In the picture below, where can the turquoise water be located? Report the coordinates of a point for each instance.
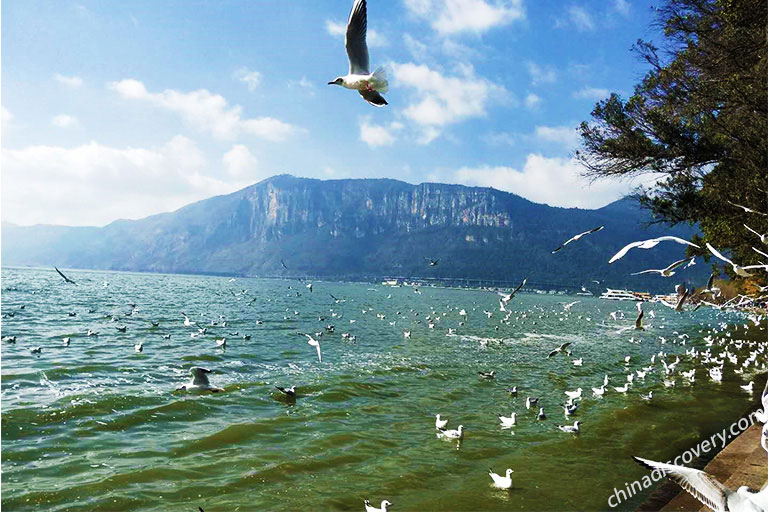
(96, 426)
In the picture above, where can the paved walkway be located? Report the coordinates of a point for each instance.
(742, 462)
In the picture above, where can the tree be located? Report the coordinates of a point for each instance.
(698, 121)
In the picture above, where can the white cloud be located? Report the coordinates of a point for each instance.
(591, 93)
(416, 48)
(251, 79)
(566, 136)
(541, 74)
(440, 100)
(305, 85)
(577, 17)
(207, 112)
(69, 81)
(553, 181)
(7, 117)
(240, 161)
(474, 16)
(622, 7)
(64, 121)
(502, 138)
(93, 184)
(373, 38)
(532, 101)
(378, 135)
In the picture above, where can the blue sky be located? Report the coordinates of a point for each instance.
(124, 109)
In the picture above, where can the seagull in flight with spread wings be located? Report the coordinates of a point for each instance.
(369, 85)
(649, 244)
(576, 237)
(665, 272)
(66, 279)
(737, 269)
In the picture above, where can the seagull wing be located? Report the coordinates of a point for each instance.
(639, 319)
(373, 97)
(357, 49)
(520, 286)
(718, 255)
(710, 282)
(553, 353)
(675, 239)
(319, 355)
(624, 251)
(758, 251)
(701, 485)
(283, 264)
(645, 272)
(66, 279)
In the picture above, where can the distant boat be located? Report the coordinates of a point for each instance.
(610, 294)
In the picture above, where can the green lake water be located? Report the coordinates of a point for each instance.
(95, 426)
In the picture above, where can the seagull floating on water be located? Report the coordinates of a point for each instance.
(369, 85)
(199, 381)
(572, 429)
(507, 422)
(501, 482)
(440, 423)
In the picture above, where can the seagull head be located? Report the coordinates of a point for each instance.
(338, 81)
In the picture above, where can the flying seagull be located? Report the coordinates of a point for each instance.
(360, 78)
(432, 263)
(199, 381)
(709, 491)
(559, 349)
(506, 298)
(665, 272)
(639, 319)
(748, 210)
(312, 341)
(649, 244)
(283, 264)
(66, 279)
(763, 238)
(576, 237)
(737, 269)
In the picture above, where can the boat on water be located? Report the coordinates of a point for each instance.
(610, 294)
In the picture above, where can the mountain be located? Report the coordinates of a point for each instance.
(367, 229)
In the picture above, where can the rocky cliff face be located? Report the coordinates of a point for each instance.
(356, 229)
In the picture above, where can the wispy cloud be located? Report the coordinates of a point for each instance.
(622, 7)
(88, 184)
(449, 17)
(532, 101)
(251, 79)
(591, 93)
(566, 136)
(64, 121)
(206, 112)
(553, 181)
(578, 18)
(376, 135)
(439, 100)
(69, 81)
(541, 74)
(239, 161)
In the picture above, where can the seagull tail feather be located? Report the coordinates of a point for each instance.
(380, 75)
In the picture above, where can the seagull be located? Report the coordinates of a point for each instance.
(487, 375)
(199, 381)
(432, 263)
(541, 415)
(289, 392)
(139, 347)
(530, 401)
(452, 434)
(501, 482)
(440, 423)
(639, 319)
(709, 491)
(749, 386)
(312, 341)
(576, 237)
(737, 269)
(66, 279)
(665, 272)
(573, 395)
(359, 78)
(648, 244)
(187, 321)
(572, 429)
(370, 508)
(763, 238)
(647, 397)
(36, 350)
(622, 389)
(507, 422)
(507, 298)
(599, 391)
(568, 306)
(558, 349)
(748, 210)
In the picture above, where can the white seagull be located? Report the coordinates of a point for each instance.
(763, 238)
(452, 434)
(507, 422)
(665, 272)
(573, 429)
(360, 78)
(199, 381)
(440, 423)
(576, 237)
(649, 244)
(312, 341)
(501, 482)
(737, 269)
(370, 508)
(709, 491)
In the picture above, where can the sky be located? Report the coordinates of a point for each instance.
(119, 110)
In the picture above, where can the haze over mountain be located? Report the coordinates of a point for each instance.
(367, 229)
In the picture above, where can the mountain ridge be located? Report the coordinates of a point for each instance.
(360, 229)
